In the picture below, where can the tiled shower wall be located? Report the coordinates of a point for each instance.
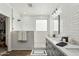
(28, 24)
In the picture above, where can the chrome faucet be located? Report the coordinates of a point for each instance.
(66, 39)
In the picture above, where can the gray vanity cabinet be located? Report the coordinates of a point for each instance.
(52, 50)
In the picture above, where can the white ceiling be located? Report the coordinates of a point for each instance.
(36, 9)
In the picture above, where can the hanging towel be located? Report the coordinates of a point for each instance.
(19, 35)
(22, 36)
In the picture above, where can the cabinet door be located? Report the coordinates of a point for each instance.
(57, 52)
(52, 50)
(48, 48)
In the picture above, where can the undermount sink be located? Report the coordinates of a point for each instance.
(61, 44)
(73, 50)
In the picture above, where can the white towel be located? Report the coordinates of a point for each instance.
(19, 35)
(22, 36)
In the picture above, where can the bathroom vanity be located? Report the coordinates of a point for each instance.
(53, 50)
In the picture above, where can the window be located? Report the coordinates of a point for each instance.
(41, 25)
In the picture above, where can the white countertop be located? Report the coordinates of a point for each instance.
(64, 49)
